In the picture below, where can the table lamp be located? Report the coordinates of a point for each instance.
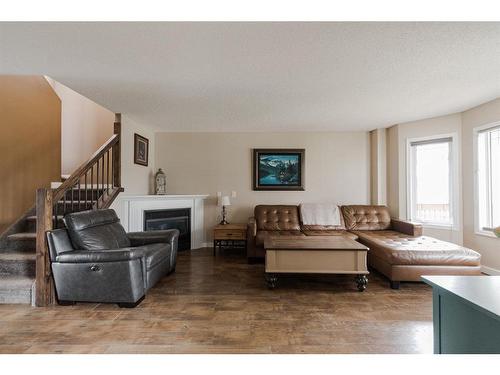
(224, 202)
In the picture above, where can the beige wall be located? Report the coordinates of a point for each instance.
(337, 168)
(397, 175)
(378, 166)
(393, 162)
(86, 126)
(136, 179)
(488, 246)
(30, 140)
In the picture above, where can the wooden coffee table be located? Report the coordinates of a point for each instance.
(315, 254)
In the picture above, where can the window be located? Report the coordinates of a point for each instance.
(430, 181)
(488, 178)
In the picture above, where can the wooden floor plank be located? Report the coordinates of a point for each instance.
(221, 305)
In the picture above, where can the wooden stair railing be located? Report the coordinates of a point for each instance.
(102, 173)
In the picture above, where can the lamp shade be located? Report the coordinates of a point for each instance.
(225, 201)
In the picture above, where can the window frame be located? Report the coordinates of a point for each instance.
(454, 177)
(476, 132)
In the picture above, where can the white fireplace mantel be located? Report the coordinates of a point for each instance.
(130, 209)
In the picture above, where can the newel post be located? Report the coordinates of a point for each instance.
(117, 151)
(44, 288)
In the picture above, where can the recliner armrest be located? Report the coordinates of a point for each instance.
(99, 256)
(251, 227)
(154, 236)
(406, 227)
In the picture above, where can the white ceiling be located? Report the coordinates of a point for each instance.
(264, 76)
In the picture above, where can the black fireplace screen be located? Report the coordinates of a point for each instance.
(178, 218)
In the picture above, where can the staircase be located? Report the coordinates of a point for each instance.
(25, 275)
(18, 249)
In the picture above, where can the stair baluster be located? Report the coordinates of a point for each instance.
(48, 202)
(92, 186)
(107, 173)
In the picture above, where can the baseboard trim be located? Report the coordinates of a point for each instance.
(203, 245)
(490, 271)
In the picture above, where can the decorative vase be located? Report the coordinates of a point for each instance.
(160, 183)
(497, 231)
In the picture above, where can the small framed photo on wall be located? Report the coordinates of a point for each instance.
(141, 150)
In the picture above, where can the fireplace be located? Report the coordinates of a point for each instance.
(177, 218)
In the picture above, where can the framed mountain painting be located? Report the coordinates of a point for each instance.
(278, 169)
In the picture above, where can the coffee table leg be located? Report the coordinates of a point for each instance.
(361, 282)
(271, 280)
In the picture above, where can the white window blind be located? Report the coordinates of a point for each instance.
(488, 178)
(430, 180)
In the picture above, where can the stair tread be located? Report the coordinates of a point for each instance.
(17, 256)
(16, 282)
(22, 236)
(16, 290)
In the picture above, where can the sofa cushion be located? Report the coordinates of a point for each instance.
(398, 248)
(324, 227)
(331, 232)
(96, 230)
(359, 217)
(277, 217)
(262, 234)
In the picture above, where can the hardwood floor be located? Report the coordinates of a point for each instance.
(222, 305)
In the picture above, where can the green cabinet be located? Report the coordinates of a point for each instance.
(466, 314)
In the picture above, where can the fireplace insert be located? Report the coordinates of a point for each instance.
(177, 218)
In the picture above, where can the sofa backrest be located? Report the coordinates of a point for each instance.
(366, 217)
(277, 217)
(96, 230)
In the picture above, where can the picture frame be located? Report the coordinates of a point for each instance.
(141, 150)
(279, 169)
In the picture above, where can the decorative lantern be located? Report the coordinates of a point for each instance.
(160, 183)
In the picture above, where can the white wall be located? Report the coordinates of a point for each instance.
(136, 179)
(488, 247)
(337, 168)
(463, 125)
(85, 126)
(397, 174)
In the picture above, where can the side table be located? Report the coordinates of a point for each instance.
(229, 234)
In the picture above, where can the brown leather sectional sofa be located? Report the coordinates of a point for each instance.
(397, 248)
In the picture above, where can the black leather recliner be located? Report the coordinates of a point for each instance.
(94, 260)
